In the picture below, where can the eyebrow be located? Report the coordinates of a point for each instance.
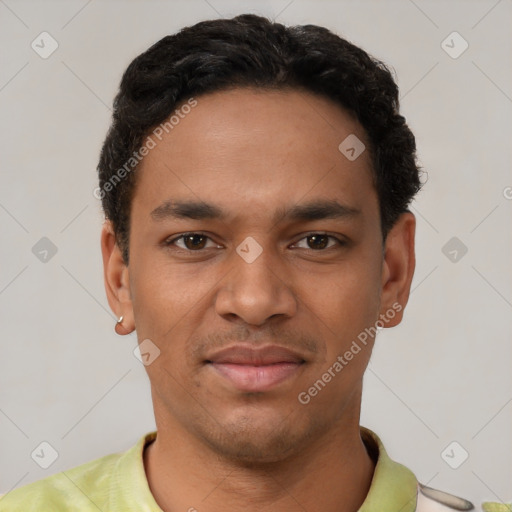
(199, 210)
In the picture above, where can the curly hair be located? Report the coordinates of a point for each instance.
(252, 51)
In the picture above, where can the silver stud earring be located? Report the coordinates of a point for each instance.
(120, 321)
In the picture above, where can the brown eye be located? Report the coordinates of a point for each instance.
(191, 242)
(194, 241)
(319, 242)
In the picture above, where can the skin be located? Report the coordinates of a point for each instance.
(251, 153)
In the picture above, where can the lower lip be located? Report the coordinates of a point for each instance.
(256, 378)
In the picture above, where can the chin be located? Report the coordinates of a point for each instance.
(259, 441)
(250, 452)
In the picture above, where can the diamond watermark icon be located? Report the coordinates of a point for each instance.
(249, 249)
(44, 250)
(454, 455)
(454, 45)
(44, 455)
(146, 352)
(44, 45)
(454, 249)
(352, 147)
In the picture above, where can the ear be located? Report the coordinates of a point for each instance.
(117, 280)
(398, 267)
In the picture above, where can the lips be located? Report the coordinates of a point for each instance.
(255, 369)
(245, 355)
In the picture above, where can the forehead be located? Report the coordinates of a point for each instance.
(254, 149)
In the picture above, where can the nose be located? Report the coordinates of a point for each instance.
(256, 291)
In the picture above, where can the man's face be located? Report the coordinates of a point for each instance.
(259, 158)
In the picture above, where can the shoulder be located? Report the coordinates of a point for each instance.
(78, 488)
(432, 500)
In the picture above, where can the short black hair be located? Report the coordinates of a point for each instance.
(252, 51)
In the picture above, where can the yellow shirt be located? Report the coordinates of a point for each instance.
(118, 483)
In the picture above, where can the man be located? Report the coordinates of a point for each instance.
(255, 182)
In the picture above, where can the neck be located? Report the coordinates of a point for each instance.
(332, 474)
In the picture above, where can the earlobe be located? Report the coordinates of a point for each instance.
(116, 279)
(398, 268)
(120, 328)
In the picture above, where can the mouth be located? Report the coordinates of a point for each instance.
(256, 370)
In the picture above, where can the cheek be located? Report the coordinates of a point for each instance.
(343, 316)
(345, 302)
(351, 290)
(168, 299)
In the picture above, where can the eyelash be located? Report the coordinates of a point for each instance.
(170, 242)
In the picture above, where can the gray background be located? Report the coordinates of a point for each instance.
(443, 375)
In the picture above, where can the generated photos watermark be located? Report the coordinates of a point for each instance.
(150, 143)
(304, 397)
